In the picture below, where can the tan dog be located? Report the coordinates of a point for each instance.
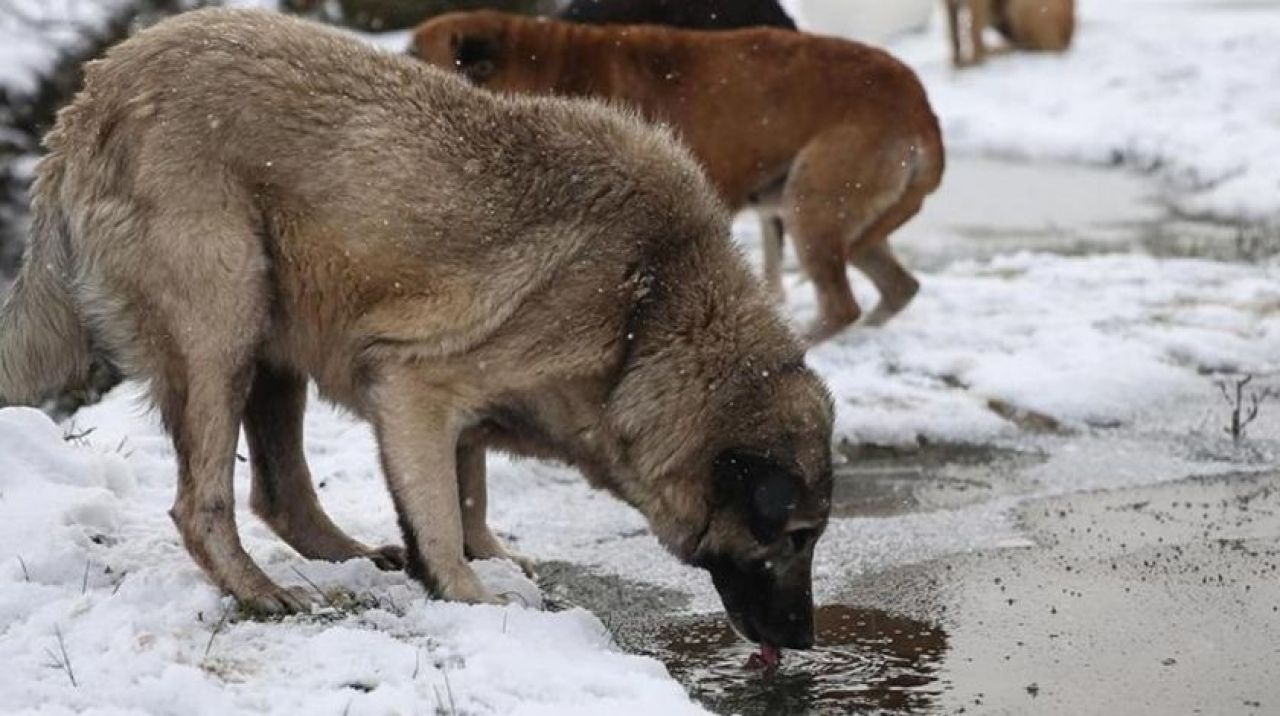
(833, 140)
(239, 201)
(1029, 25)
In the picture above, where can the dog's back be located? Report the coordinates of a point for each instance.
(254, 147)
(692, 14)
(838, 136)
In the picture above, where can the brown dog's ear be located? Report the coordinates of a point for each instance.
(475, 57)
(762, 490)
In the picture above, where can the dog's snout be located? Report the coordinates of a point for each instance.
(796, 638)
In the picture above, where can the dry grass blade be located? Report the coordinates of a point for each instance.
(217, 628)
(328, 602)
(60, 659)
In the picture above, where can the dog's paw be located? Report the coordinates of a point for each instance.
(274, 601)
(487, 546)
(388, 558)
(461, 584)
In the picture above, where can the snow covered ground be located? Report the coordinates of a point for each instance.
(1117, 351)
(90, 563)
(1184, 88)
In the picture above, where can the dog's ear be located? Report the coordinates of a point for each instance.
(475, 56)
(761, 489)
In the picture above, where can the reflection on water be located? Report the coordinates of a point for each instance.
(875, 481)
(866, 661)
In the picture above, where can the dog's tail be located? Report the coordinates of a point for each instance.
(45, 347)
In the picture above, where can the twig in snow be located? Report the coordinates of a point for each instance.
(1244, 408)
(60, 660)
(217, 628)
(84, 581)
(453, 709)
(78, 438)
(313, 585)
(26, 576)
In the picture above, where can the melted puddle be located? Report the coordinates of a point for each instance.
(865, 661)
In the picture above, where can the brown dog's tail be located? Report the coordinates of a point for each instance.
(45, 347)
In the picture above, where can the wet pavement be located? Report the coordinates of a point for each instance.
(1154, 600)
(990, 206)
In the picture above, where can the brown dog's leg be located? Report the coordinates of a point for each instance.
(823, 258)
(896, 285)
(418, 438)
(478, 541)
(771, 236)
(282, 493)
(874, 257)
(842, 189)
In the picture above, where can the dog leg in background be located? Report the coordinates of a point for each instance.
(418, 438)
(979, 18)
(282, 493)
(478, 540)
(953, 25)
(896, 285)
(822, 255)
(772, 233)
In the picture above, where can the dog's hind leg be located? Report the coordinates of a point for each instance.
(979, 19)
(190, 321)
(840, 186)
(200, 378)
(896, 285)
(282, 493)
(953, 27)
(478, 540)
(771, 236)
(195, 408)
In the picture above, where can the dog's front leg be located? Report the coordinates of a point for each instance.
(418, 433)
(478, 541)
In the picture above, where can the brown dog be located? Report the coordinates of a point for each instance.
(239, 201)
(835, 139)
(1029, 25)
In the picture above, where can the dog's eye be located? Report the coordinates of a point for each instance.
(800, 539)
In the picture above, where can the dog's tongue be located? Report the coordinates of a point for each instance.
(768, 658)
